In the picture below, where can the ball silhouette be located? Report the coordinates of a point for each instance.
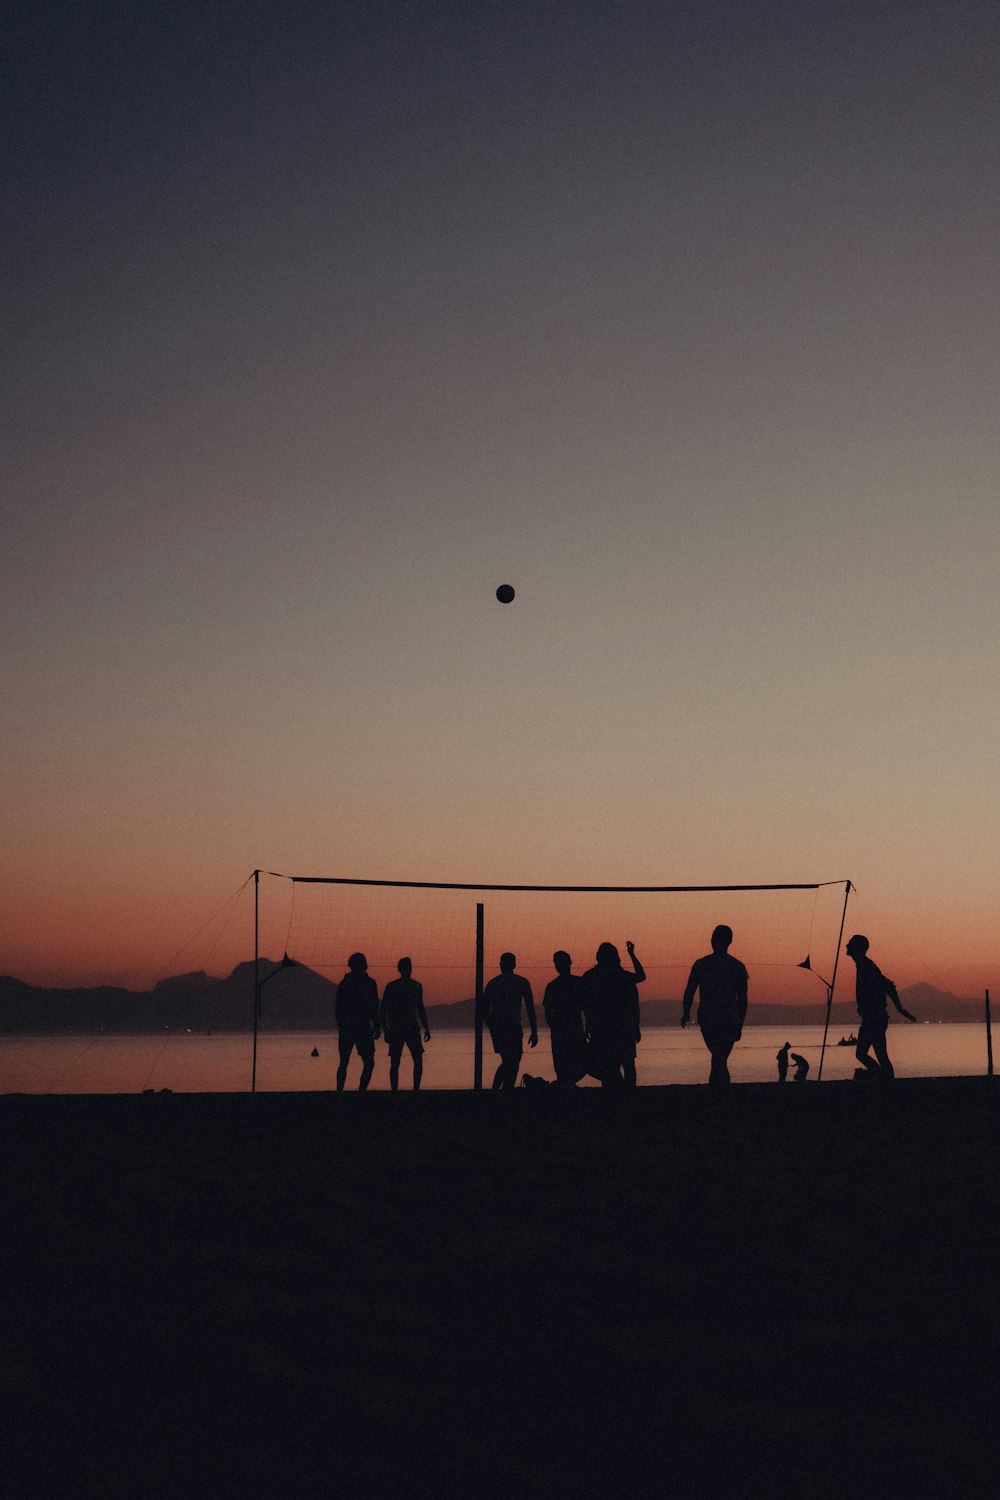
(505, 593)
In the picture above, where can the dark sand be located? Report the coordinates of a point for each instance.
(785, 1291)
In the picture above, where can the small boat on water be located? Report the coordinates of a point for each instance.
(848, 1041)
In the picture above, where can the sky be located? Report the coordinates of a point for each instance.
(324, 320)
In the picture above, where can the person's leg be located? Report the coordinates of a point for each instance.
(719, 1043)
(417, 1053)
(345, 1046)
(366, 1051)
(513, 1062)
(861, 1051)
(628, 1072)
(394, 1059)
(881, 1050)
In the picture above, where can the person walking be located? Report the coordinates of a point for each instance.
(402, 1016)
(502, 1001)
(872, 989)
(356, 1012)
(722, 982)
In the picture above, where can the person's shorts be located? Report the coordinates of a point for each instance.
(872, 1030)
(719, 1035)
(362, 1040)
(400, 1039)
(570, 1055)
(508, 1043)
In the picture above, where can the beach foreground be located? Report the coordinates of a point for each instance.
(784, 1290)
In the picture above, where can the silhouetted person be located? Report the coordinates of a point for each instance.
(402, 1016)
(722, 982)
(563, 1006)
(801, 1068)
(356, 1010)
(872, 990)
(783, 1061)
(611, 1007)
(502, 1000)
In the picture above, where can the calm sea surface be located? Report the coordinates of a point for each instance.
(188, 1063)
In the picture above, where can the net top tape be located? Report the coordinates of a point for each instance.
(450, 885)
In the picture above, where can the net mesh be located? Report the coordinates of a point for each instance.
(774, 931)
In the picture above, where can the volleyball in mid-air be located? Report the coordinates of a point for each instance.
(505, 593)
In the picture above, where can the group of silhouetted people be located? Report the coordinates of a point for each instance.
(361, 1021)
(593, 1018)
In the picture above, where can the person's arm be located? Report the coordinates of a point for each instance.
(893, 995)
(374, 1008)
(383, 1019)
(547, 1004)
(421, 1013)
(638, 972)
(529, 1005)
(689, 993)
(337, 1006)
(487, 1003)
(634, 1007)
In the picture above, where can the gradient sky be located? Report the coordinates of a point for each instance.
(324, 320)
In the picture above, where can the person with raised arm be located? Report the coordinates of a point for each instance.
(872, 990)
(502, 1001)
(722, 982)
(356, 1011)
(611, 1006)
(402, 1016)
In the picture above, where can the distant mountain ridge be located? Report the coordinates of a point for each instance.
(298, 999)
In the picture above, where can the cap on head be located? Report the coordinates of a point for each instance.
(507, 963)
(722, 937)
(607, 953)
(357, 963)
(857, 944)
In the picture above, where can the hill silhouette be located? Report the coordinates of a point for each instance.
(299, 999)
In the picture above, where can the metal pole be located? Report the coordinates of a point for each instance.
(477, 1081)
(256, 984)
(989, 1039)
(833, 981)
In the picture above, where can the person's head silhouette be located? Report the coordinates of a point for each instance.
(721, 938)
(357, 963)
(405, 967)
(607, 953)
(857, 946)
(562, 961)
(508, 963)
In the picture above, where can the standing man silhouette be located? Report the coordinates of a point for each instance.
(783, 1061)
(563, 1006)
(356, 1010)
(502, 999)
(402, 1017)
(871, 990)
(722, 982)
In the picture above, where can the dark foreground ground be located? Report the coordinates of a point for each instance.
(787, 1291)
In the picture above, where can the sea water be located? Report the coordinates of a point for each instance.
(187, 1062)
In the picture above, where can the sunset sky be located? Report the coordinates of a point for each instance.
(324, 320)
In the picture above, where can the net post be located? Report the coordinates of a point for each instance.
(833, 981)
(989, 1039)
(477, 1080)
(256, 984)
